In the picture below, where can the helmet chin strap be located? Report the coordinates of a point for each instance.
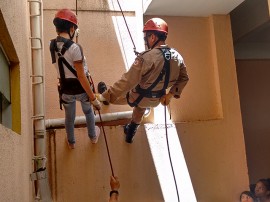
(154, 44)
(71, 36)
(148, 46)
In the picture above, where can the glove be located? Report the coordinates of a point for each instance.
(100, 97)
(96, 104)
(165, 99)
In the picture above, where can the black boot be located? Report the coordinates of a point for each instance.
(130, 130)
(102, 88)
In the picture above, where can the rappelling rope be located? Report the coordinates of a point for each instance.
(105, 138)
(168, 146)
(77, 16)
(134, 47)
(101, 122)
(136, 53)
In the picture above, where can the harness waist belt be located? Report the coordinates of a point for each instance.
(71, 86)
(150, 94)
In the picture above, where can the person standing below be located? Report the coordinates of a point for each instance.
(153, 71)
(72, 69)
(247, 196)
(115, 185)
(262, 190)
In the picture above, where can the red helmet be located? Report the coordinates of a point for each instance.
(68, 15)
(156, 24)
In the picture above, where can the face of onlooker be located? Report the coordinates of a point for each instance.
(260, 189)
(246, 198)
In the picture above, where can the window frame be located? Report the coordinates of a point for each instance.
(9, 50)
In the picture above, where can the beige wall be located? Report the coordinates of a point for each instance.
(209, 122)
(254, 96)
(98, 37)
(16, 150)
(210, 128)
(198, 49)
(15, 184)
(83, 174)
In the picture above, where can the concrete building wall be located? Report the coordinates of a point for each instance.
(16, 148)
(208, 122)
(83, 174)
(102, 48)
(208, 116)
(15, 167)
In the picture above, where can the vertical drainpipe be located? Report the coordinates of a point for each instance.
(38, 76)
(42, 190)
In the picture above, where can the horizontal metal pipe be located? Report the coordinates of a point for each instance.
(80, 120)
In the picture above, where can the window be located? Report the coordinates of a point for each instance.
(5, 93)
(10, 100)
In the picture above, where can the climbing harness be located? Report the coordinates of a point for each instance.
(168, 147)
(69, 86)
(148, 93)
